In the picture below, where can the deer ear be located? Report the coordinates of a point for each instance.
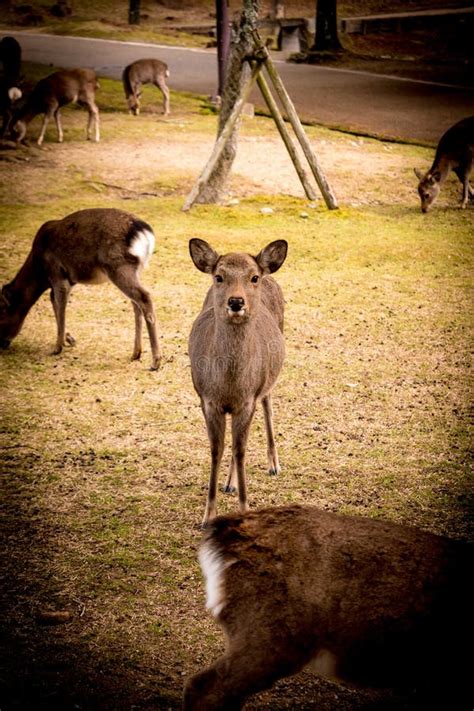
(436, 176)
(202, 255)
(272, 257)
(418, 173)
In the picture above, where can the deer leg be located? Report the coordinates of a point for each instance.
(126, 279)
(68, 338)
(241, 422)
(47, 117)
(59, 128)
(59, 296)
(273, 463)
(93, 115)
(215, 423)
(161, 84)
(228, 683)
(231, 481)
(137, 348)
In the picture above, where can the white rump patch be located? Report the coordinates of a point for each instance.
(14, 93)
(142, 245)
(213, 566)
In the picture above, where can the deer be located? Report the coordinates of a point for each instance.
(455, 152)
(8, 96)
(145, 71)
(86, 247)
(360, 601)
(51, 94)
(236, 348)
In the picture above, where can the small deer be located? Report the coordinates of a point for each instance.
(145, 71)
(51, 94)
(8, 96)
(86, 247)
(364, 601)
(455, 151)
(237, 349)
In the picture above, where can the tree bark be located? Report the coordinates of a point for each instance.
(238, 72)
(223, 42)
(326, 38)
(134, 12)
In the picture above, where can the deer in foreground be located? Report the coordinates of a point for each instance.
(455, 152)
(364, 601)
(86, 247)
(237, 349)
(145, 71)
(51, 94)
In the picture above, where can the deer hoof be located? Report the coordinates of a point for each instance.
(274, 471)
(57, 350)
(229, 489)
(70, 340)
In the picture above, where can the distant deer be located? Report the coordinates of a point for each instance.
(145, 71)
(8, 96)
(86, 247)
(51, 94)
(236, 348)
(364, 601)
(455, 151)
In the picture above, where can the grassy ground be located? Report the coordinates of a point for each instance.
(105, 463)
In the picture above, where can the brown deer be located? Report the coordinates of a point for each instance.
(51, 94)
(145, 71)
(86, 247)
(455, 151)
(236, 348)
(364, 601)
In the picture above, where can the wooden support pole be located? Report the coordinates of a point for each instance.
(293, 117)
(284, 133)
(222, 139)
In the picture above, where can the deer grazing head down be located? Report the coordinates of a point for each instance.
(237, 349)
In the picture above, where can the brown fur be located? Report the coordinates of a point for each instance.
(145, 71)
(364, 601)
(89, 246)
(455, 151)
(51, 94)
(236, 356)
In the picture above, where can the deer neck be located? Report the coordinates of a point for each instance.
(27, 287)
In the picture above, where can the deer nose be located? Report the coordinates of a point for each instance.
(236, 303)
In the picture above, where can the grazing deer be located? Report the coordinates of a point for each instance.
(236, 348)
(145, 71)
(455, 151)
(51, 94)
(359, 600)
(86, 247)
(8, 96)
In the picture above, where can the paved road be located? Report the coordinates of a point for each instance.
(365, 103)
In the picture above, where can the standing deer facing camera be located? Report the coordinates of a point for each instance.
(51, 94)
(237, 349)
(455, 151)
(364, 601)
(145, 71)
(86, 247)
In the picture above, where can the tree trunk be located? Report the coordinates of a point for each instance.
(242, 46)
(134, 12)
(223, 42)
(326, 38)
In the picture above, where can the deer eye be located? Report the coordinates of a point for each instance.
(255, 279)
(219, 279)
